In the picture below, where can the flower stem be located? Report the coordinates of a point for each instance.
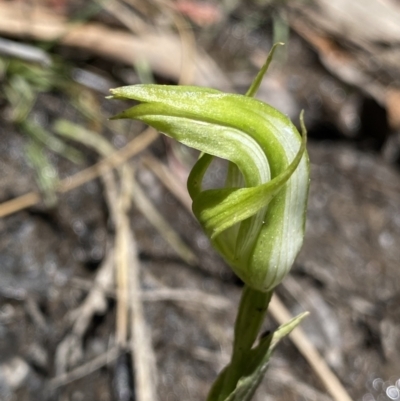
(252, 309)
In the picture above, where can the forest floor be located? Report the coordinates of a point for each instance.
(109, 289)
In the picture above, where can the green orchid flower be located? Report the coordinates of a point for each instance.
(256, 221)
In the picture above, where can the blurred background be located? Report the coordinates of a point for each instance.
(108, 288)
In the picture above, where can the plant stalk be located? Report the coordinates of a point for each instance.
(252, 310)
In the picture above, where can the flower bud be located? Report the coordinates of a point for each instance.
(256, 221)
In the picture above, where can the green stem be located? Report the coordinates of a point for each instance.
(252, 309)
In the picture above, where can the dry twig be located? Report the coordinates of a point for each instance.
(69, 352)
(128, 296)
(108, 163)
(85, 369)
(164, 293)
(122, 254)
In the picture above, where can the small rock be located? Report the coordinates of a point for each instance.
(14, 372)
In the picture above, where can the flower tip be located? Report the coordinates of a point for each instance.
(302, 124)
(115, 94)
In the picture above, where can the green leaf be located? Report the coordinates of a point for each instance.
(259, 359)
(217, 387)
(251, 314)
(46, 174)
(80, 134)
(50, 141)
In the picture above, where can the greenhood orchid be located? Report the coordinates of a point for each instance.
(256, 221)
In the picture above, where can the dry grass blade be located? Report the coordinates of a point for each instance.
(95, 302)
(307, 349)
(143, 354)
(20, 203)
(122, 255)
(125, 15)
(116, 159)
(200, 313)
(305, 391)
(85, 369)
(129, 306)
(195, 297)
(163, 173)
(188, 296)
(129, 289)
(119, 207)
(155, 218)
(188, 42)
(70, 350)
